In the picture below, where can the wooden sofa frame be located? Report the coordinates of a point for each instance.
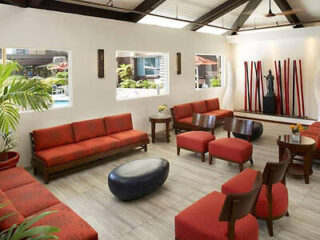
(53, 172)
(182, 127)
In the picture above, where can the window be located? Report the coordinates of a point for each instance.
(142, 74)
(50, 66)
(209, 71)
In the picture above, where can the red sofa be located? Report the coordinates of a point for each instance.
(182, 114)
(25, 197)
(314, 132)
(66, 148)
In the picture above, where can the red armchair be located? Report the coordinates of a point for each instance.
(218, 216)
(233, 149)
(273, 198)
(197, 141)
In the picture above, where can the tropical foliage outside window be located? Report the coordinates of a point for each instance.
(142, 74)
(208, 71)
(48, 66)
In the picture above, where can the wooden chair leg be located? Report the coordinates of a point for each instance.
(145, 147)
(178, 151)
(210, 159)
(287, 214)
(46, 178)
(251, 161)
(270, 227)
(240, 167)
(203, 157)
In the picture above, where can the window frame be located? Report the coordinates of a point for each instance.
(152, 55)
(223, 68)
(70, 75)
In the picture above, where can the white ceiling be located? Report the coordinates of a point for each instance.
(193, 9)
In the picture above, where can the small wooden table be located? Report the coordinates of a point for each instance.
(304, 148)
(160, 119)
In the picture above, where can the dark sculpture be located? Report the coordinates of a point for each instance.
(269, 101)
(270, 79)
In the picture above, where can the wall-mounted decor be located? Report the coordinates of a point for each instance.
(178, 63)
(100, 63)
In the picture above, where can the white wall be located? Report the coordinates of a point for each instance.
(296, 44)
(93, 97)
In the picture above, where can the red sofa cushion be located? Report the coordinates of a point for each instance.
(187, 120)
(118, 123)
(241, 183)
(231, 149)
(199, 107)
(130, 137)
(99, 144)
(14, 177)
(222, 113)
(182, 111)
(212, 104)
(71, 225)
(315, 125)
(201, 221)
(17, 218)
(62, 154)
(195, 140)
(31, 198)
(52, 137)
(88, 129)
(280, 201)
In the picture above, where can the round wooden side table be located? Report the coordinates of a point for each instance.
(160, 119)
(303, 148)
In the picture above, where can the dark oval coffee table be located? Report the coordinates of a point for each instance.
(138, 178)
(257, 131)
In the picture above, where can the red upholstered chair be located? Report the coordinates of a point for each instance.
(197, 141)
(233, 149)
(218, 216)
(273, 200)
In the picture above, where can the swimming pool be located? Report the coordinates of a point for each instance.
(61, 103)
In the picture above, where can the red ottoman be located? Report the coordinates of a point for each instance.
(231, 149)
(196, 141)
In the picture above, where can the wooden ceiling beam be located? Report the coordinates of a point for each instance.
(245, 14)
(19, 3)
(292, 18)
(217, 12)
(146, 7)
(35, 3)
(81, 10)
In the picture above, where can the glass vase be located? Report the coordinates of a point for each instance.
(295, 137)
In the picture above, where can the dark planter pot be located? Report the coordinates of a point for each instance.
(12, 160)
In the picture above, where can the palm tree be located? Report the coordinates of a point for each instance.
(17, 93)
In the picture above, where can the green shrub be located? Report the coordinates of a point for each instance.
(215, 82)
(128, 83)
(62, 75)
(56, 81)
(125, 72)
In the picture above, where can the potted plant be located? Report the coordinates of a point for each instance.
(8, 158)
(16, 94)
(162, 108)
(296, 129)
(25, 229)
